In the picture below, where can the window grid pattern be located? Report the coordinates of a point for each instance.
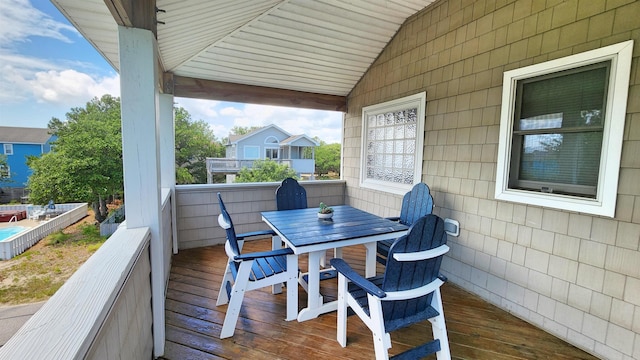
(391, 146)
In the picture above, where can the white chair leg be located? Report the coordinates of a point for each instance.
(439, 327)
(381, 340)
(276, 243)
(235, 303)
(342, 310)
(223, 297)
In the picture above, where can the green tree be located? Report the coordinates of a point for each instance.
(243, 130)
(4, 173)
(86, 163)
(327, 158)
(265, 171)
(194, 143)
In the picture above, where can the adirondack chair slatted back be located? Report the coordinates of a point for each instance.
(415, 204)
(224, 220)
(425, 234)
(291, 195)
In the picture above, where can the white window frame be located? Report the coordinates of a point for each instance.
(267, 149)
(8, 149)
(253, 149)
(417, 101)
(620, 56)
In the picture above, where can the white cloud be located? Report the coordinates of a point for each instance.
(71, 86)
(223, 116)
(25, 78)
(19, 20)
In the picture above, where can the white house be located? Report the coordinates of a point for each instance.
(269, 142)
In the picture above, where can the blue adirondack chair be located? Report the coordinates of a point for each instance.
(252, 271)
(407, 293)
(415, 204)
(291, 195)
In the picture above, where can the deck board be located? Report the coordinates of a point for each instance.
(477, 329)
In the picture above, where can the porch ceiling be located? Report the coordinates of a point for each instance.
(320, 46)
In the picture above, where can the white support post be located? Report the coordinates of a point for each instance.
(141, 153)
(168, 159)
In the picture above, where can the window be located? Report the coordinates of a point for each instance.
(8, 149)
(392, 140)
(561, 131)
(252, 152)
(271, 154)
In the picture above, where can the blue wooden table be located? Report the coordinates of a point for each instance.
(304, 233)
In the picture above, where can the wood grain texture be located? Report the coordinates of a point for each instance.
(477, 330)
(225, 91)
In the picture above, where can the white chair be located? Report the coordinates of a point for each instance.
(252, 271)
(407, 293)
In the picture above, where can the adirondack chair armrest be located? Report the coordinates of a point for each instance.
(263, 254)
(343, 268)
(393, 218)
(255, 233)
(443, 278)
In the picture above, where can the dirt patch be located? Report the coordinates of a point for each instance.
(39, 272)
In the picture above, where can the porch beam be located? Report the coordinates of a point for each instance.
(224, 91)
(139, 14)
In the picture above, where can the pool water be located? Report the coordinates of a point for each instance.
(10, 231)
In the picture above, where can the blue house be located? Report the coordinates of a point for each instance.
(268, 142)
(17, 143)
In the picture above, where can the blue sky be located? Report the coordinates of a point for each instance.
(47, 68)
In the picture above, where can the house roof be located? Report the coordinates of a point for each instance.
(24, 135)
(322, 47)
(233, 139)
(291, 140)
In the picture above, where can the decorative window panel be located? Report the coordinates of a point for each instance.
(392, 136)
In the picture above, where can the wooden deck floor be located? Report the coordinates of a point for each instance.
(477, 330)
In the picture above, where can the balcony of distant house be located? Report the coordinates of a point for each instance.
(269, 142)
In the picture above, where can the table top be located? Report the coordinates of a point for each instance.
(301, 227)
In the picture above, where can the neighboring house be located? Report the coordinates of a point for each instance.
(17, 143)
(269, 142)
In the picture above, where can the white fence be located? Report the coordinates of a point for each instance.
(110, 225)
(19, 243)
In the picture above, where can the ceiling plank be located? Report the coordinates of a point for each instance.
(224, 91)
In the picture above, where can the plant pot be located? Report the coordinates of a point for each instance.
(325, 216)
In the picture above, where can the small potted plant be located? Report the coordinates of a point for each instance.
(325, 212)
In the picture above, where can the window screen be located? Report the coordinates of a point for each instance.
(558, 130)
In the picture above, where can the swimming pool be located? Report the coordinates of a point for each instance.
(10, 231)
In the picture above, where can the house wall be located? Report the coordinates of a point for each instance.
(18, 163)
(258, 140)
(572, 274)
(198, 209)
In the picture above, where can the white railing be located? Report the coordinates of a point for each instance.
(197, 207)
(235, 165)
(101, 312)
(19, 243)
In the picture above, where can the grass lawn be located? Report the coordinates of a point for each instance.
(39, 272)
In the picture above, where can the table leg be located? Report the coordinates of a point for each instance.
(315, 301)
(370, 259)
